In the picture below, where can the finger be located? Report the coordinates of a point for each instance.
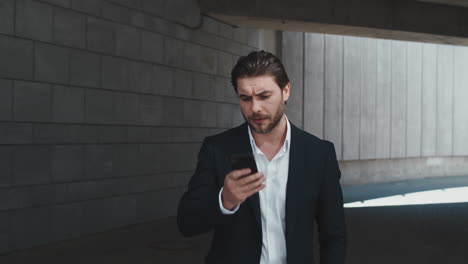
(251, 178)
(255, 190)
(237, 174)
(253, 185)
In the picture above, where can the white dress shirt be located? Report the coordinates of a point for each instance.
(272, 200)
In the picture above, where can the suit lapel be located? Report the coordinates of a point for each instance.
(294, 184)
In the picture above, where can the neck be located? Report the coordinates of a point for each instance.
(275, 137)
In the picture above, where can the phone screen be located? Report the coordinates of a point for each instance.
(243, 161)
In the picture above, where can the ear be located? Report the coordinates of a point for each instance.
(286, 90)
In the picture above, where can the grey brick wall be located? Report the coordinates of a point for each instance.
(103, 107)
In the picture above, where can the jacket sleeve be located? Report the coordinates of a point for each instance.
(330, 215)
(198, 209)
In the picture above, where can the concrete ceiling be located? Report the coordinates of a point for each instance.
(463, 3)
(437, 21)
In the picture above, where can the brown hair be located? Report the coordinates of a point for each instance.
(259, 63)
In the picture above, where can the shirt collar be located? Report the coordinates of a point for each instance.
(287, 140)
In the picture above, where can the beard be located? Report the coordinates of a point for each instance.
(274, 120)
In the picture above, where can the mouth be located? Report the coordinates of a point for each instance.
(258, 120)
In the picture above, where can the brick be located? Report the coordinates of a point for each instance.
(34, 20)
(66, 221)
(163, 26)
(126, 110)
(88, 6)
(115, 12)
(85, 69)
(140, 134)
(162, 81)
(125, 158)
(32, 101)
(17, 58)
(226, 31)
(182, 83)
(230, 94)
(192, 56)
(115, 73)
(68, 104)
(146, 213)
(188, 12)
(208, 114)
(15, 133)
(101, 36)
(67, 163)
(38, 195)
(6, 16)
(161, 134)
(173, 111)
(154, 6)
(152, 47)
(201, 86)
(5, 231)
(240, 35)
(140, 77)
(210, 25)
(129, 3)
(6, 98)
(51, 63)
(123, 211)
(69, 28)
(82, 134)
(112, 134)
(223, 115)
(148, 157)
(99, 106)
(6, 166)
(12, 198)
(192, 113)
(96, 216)
(128, 42)
(252, 37)
(31, 165)
(199, 113)
(183, 33)
(64, 3)
(77, 191)
(26, 233)
(207, 39)
(137, 18)
(224, 64)
(150, 110)
(108, 187)
(98, 161)
(209, 60)
(218, 88)
(49, 133)
(173, 52)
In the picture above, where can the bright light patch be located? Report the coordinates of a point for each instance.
(442, 196)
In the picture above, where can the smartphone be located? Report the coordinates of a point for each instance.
(243, 161)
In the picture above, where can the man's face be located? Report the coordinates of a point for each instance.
(262, 102)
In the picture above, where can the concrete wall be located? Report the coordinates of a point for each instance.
(103, 106)
(380, 99)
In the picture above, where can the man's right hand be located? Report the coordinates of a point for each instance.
(239, 185)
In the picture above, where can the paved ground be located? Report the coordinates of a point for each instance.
(404, 234)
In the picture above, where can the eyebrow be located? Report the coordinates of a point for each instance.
(263, 92)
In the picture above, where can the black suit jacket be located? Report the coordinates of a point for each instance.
(313, 192)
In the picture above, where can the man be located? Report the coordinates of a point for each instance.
(268, 216)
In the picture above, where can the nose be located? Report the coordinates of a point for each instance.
(256, 107)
